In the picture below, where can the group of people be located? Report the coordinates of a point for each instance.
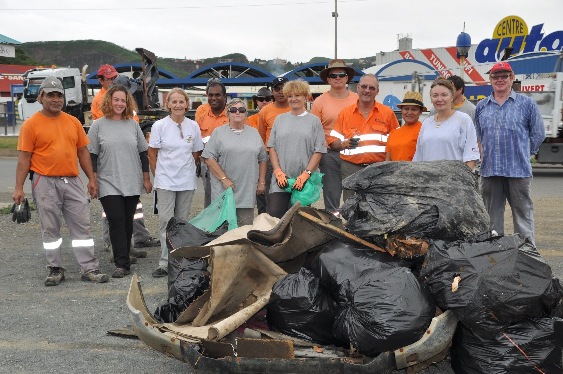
(258, 156)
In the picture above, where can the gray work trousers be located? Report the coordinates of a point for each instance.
(347, 169)
(332, 179)
(64, 195)
(497, 191)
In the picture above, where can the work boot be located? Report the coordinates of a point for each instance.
(159, 273)
(95, 276)
(56, 275)
(120, 272)
(149, 242)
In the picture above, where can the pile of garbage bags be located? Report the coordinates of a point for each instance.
(331, 289)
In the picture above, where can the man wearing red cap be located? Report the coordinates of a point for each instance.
(106, 75)
(509, 129)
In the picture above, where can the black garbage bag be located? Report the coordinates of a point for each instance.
(180, 234)
(386, 309)
(300, 307)
(502, 281)
(338, 262)
(437, 199)
(532, 345)
(187, 278)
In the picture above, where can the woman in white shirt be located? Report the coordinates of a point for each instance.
(174, 148)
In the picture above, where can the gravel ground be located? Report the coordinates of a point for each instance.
(63, 329)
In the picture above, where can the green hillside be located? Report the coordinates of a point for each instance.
(94, 53)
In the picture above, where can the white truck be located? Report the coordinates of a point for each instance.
(550, 102)
(76, 99)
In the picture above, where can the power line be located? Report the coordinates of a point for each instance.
(210, 6)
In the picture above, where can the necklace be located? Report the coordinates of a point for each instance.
(439, 123)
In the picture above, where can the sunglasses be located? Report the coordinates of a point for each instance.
(239, 109)
(261, 99)
(337, 75)
(365, 87)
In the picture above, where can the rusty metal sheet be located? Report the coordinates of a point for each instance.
(262, 348)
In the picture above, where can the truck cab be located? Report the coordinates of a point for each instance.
(72, 84)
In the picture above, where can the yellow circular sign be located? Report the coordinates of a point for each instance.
(510, 26)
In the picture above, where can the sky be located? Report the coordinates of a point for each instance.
(295, 30)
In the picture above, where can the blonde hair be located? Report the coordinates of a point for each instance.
(297, 87)
(178, 90)
(130, 103)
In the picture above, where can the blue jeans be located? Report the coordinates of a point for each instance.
(497, 191)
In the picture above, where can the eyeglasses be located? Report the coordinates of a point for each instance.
(500, 76)
(109, 79)
(337, 75)
(365, 87)
(235, 109)
(261, 99)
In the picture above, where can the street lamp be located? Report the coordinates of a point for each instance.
(462, 44)
(335, 15)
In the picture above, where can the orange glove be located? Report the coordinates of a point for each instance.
(281, 178)
(300, 181)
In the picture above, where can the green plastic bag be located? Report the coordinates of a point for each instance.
(311, 191)
(220, 210)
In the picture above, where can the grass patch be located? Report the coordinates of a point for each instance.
(9, 142)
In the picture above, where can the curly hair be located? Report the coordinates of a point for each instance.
(179, 91)
(131, 104)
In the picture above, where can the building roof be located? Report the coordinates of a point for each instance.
(5, 40)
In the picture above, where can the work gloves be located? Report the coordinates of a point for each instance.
(353, 143)
(281, 178)
(21, 213)
(301, 180)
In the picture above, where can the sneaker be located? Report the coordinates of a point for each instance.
(150, 242)
(137, 253)
(56, 275)
(120, 273)
(95, 276)
(159, 273)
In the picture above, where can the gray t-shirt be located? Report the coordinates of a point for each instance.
(118, 144)
(295, 139)
(238, 154)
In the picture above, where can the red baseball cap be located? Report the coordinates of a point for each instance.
(501, 66)
(107, 71)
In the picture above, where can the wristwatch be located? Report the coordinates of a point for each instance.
(308, 171)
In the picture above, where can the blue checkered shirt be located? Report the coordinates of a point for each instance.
(508, 134)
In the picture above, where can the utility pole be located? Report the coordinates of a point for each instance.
(335, 15)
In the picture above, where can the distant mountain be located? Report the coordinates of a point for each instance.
(94, 53)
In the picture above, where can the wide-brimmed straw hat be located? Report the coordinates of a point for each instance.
(338, 64)
(413, 98)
